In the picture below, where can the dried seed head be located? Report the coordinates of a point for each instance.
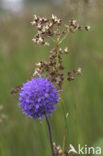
(34, 40)
(50, 24)
(72, 22)
(66, 50)
(38, 64)
(46, 43)
(87, 28)
(74, 71)
(60, 51)
(79, 71)
(67, 27)
(70, 78)
(54, 144)
(57, 32)
(53, 50)
(79, 27)
(63, 32)
(40, 39)
(69, 73)
(58, 147)
(39, 26)
(52, 72)
(59, 21)
(54, 18)
(60, 151)
(49, 28)
(37, 72)
(33, 22)
(35, 17)
(61, 67)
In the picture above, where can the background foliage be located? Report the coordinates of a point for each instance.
(83, 99)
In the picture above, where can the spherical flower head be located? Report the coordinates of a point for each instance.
(38, 97)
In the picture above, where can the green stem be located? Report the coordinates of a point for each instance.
(66, 35)
(57, 47)
(50, 136)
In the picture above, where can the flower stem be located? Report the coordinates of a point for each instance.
(57, 63)
(50, 136)
(63, 38)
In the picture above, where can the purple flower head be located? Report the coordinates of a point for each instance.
(38, 97)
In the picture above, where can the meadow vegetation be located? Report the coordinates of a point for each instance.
(83, 99)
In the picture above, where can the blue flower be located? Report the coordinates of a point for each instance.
(38, 97)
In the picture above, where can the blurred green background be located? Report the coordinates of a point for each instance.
(83, 98)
